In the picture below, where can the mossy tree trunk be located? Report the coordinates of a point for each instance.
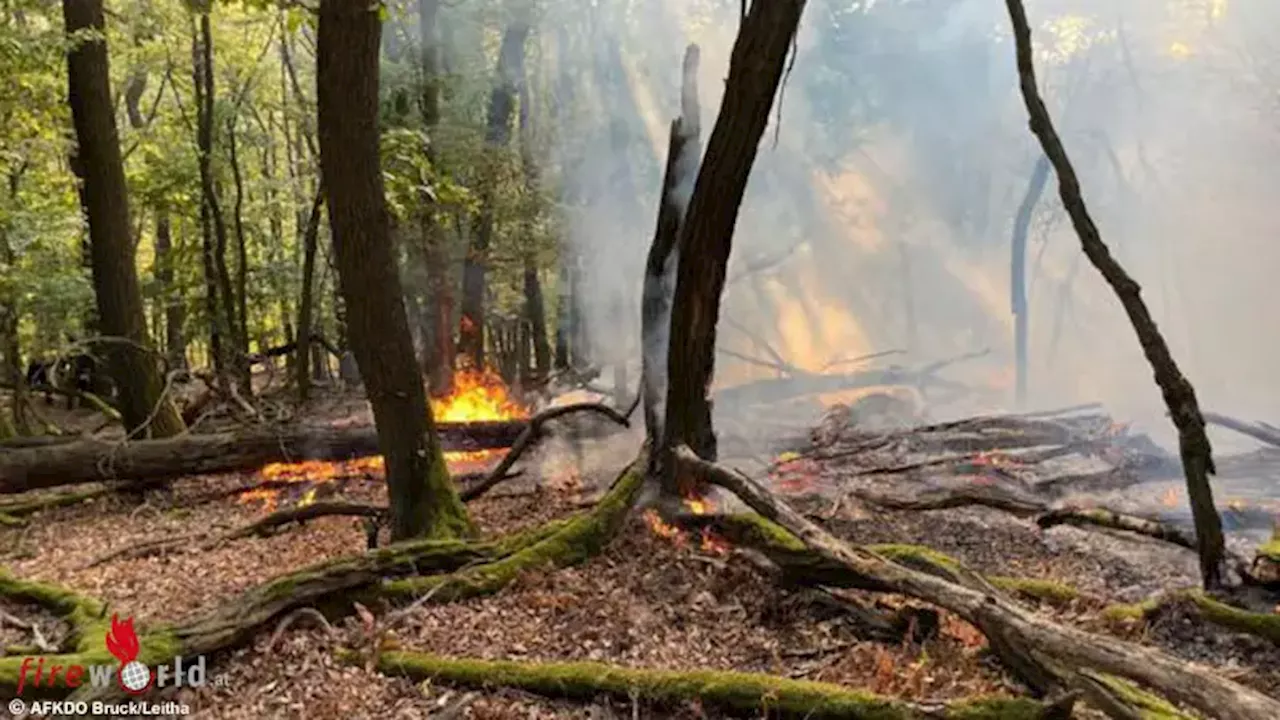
(115, 276)
(1179, 395)
(706, 235)
(422, 498)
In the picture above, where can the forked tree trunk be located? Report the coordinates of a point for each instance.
(115, 277)
(422, 498)
(502, 105)
(1179, 395)
(658, 289)
(1018, 273)
(706, 235)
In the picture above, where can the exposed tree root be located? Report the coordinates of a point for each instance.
(12, 512)
(469, 568)
(1260, 624)
(1047, 656)
(739, 691)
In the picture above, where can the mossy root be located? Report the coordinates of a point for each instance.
(736, 691)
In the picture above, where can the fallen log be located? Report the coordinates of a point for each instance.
(742, 692)
(1048, 656)
(86, 461)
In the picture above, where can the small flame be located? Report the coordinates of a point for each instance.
(122, 641)
(1169, 498)
(698, 505)
(713, 543)
(664, 530)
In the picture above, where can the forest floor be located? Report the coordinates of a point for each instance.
(649, 601)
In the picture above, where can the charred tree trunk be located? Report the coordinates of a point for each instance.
(1179, 395)
(115, 277)
(706, 235)
(502, 105)
(660, 266)
(422, 498)
(174, 309)
(1018, 273)
(440, 345)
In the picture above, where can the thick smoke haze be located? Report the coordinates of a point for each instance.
(880, 209)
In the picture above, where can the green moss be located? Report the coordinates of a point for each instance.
(1125, 612)
(11, 521)
(1149, 706)
(738, 691)
(918, 557)
(89, 626)
(758, 532)
(577, 539)
(20, 508)
(1050, 591)
(1264, 625)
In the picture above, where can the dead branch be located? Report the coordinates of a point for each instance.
(1179, 395)
(532, 433)
(992, 496)
(1048, 656)
(1258, 431)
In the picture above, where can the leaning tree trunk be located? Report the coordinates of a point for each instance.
(422, 498)
(1179, 395)
(1018, 273)
(706, 235)
(658, 289)
(502, 104)
(115, 277)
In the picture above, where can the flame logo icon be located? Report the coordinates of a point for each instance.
(122, 642)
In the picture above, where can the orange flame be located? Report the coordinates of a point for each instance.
(664, 530)
(713, 543)
(1169, 498)
(477, 396)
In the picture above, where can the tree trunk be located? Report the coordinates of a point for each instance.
(115, 276)
(243, 370)
(174, 310)
(10, 342)
(502, 104)
(423, 501)
(706, 235)
(210, 218)
(1179, 395)
(310, 243)
(441, 346)
(535, 312)
(1018, 273)
(564, 327)
(683, 151)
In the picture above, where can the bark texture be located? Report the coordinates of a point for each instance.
(706, 236)
(422, 498)
(115, 276)
(1179, 395)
